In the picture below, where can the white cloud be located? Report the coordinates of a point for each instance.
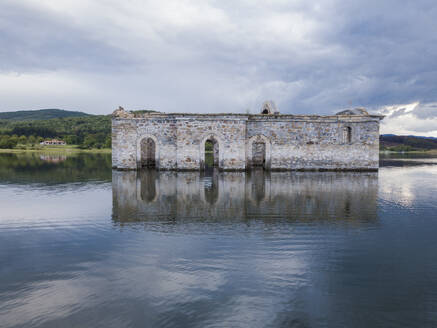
(410, 119)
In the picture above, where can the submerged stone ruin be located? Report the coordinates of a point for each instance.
(348, 140)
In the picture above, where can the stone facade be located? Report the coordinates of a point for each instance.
(346, 141)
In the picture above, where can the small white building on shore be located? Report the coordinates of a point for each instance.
(53, 142)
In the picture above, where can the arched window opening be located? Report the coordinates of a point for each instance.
(347, 134)
(259, 153)
(148, 149)
(269, 107)
(211, 153)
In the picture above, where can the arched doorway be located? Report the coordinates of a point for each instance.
(259, 153)
(259, 150)
(148, 149)
(211, 152)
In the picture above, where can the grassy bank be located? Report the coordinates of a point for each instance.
(55, 149)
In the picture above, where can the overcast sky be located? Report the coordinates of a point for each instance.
(223, 56)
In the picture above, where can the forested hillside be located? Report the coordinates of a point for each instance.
(41, 114)
(90, 131)
(406, 143)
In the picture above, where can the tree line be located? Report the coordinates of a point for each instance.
(86, 132)
(406, 143)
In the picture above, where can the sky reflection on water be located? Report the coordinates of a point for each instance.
(218, 249)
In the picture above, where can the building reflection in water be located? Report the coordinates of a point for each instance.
(181, 197)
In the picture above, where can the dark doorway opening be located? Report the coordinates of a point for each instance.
(148, 149)
(211, 153)
(259, 154)
(349, 134)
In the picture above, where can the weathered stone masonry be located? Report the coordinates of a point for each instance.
(346, 141)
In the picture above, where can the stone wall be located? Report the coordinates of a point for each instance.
(228, 132)
(288, 142)
(319, 143)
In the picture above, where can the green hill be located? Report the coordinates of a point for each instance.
(90, 131)
(406, 143)
(41, 114)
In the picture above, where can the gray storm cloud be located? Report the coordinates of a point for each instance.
(227, 56)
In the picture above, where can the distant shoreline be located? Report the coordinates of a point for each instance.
(55, 149)
(76, 149)
(432, 151)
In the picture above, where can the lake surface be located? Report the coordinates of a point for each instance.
(84, 246)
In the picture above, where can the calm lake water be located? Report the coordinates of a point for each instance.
(84, 246)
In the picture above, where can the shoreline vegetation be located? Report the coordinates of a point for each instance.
(419, 151)
(77, 149)
(69, 149)
(25, 130)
